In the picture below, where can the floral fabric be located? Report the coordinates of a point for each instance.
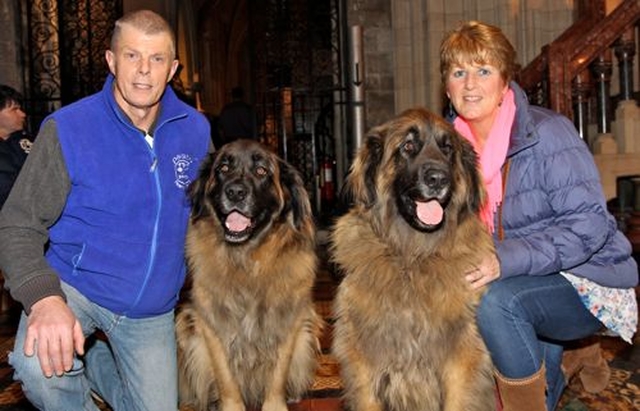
(616, 308)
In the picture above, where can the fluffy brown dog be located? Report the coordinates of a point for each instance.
(248, 334)
(405, 334)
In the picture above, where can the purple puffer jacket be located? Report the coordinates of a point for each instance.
(554, 213)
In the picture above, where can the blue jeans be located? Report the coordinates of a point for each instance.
(524, 320)
(135, 371)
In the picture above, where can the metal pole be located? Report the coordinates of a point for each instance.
(357, 85)
(340, 116)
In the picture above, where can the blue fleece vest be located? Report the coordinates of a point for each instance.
(120, 238)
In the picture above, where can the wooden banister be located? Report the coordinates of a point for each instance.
(535, 76)
(560, 62)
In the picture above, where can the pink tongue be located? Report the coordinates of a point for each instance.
(430, 212)
(237, 222)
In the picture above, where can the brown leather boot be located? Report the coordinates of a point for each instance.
(587, 361)
(523, 394)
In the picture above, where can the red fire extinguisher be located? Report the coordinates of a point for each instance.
(327, 187)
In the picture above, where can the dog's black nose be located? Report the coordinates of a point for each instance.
(436, 178)
(236, 192)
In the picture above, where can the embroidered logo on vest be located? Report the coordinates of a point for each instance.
(25, 145)
(181, 164)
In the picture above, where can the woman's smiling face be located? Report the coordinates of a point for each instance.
(476, 91)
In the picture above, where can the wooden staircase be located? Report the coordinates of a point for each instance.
(572, 75)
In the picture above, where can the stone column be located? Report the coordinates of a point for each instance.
(10, 65)
(625, 50)
(627, 115)
(602, 69)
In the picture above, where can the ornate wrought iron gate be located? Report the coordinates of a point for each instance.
(64, 43)
(299, 80)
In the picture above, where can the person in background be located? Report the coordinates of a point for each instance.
(15, 142)
(237, 119)
(103, 194)
(15, 145)
(562, 270)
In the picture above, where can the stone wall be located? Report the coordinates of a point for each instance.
(10, 65)
(375, 18)
(402, 39)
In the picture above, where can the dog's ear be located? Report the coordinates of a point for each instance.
(197, 189)
(360, 187)
(469, 160)
(296, 198)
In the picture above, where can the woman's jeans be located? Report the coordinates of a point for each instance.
(524, 320)
(135, 371)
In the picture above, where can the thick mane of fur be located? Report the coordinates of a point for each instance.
(248, 325)
(405, 333)
(369, 184)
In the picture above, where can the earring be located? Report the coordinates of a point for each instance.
(451, 112)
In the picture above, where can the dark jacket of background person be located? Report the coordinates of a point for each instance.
(238, 119)
(15, 142)
(13, 153)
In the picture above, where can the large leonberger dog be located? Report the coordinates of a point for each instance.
(248, 332)
(405, 333)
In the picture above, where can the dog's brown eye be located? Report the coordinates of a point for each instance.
(261, 171)
(446, 148)
(409, 147)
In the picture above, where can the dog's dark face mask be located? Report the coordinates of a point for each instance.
(248, 189)
(424, 181)
(426, 165)
(244, 195)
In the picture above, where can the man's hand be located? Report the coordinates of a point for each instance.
(488, 270)
(55, 332)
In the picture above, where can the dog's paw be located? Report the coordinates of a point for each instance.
(230, 405)
(274, 404)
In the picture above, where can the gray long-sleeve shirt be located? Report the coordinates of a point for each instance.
(34, 204)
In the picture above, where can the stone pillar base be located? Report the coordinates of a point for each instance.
(604, 144)
(627, 118)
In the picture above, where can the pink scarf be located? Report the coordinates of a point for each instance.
(493, 156)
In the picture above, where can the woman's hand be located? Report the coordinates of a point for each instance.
(487, 271)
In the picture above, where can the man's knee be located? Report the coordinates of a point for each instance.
(41, 390)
